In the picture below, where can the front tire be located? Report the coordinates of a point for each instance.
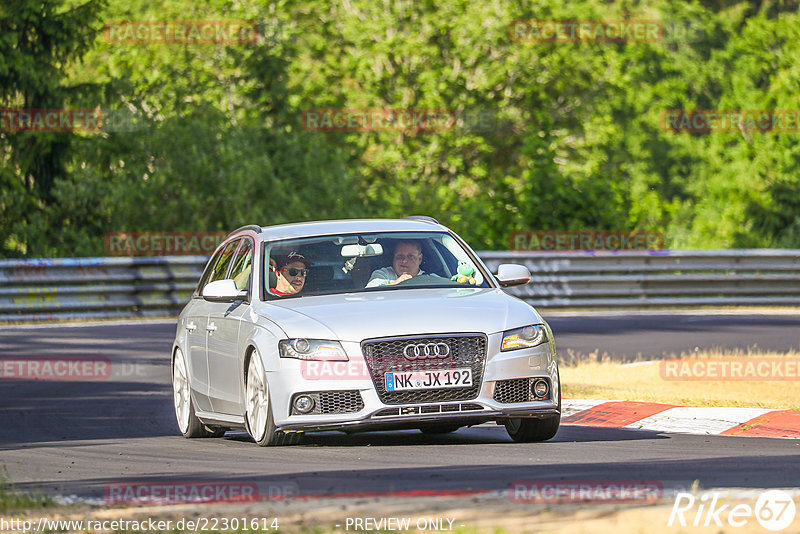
(530, 430)
(258, 416)
(188, 423)
(525, 430)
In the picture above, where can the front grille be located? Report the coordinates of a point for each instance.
(466, 350)
(327, 402)
(516, 390)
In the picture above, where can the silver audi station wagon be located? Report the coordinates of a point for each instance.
(359, 325)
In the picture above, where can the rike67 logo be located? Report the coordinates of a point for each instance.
(774, 510)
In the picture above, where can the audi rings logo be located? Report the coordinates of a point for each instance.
(425, 351)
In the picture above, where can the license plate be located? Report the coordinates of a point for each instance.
(433, 379)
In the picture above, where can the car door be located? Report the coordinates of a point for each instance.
(196, 324)
(224, 321)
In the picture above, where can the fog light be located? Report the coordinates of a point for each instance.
(540, 389)
(303, 404)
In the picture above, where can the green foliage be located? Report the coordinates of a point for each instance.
(37, 41)
(549, 135)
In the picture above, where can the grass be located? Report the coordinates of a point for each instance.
(596, 376)
(12, 500)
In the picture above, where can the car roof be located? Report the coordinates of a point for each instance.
(345, 226)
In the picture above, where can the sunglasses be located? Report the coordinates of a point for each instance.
(295, 272)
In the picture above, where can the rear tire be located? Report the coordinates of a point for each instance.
(258, 416)
(188, 423)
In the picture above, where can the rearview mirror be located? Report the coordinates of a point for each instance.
(511, 274)
(362, 251)
(223, 291)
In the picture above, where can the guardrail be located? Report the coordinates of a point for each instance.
(70, 288)
(44, 289)
(580, 279)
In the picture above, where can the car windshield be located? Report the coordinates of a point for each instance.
(351, 263)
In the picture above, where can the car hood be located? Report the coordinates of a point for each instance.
(359, 316)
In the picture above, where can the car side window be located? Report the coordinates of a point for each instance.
(242, 264)
(221, 267)
(207, 273)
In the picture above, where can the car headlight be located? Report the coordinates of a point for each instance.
(524, 338)
(311, 349)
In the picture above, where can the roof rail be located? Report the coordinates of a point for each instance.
(423, 218)
(254, 227)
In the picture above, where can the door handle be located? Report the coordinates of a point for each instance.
(211, 327)
(191, 327)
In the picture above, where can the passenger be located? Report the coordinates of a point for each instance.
(291, 270)
(405, 264)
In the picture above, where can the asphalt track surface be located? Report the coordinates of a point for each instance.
(79, 437)
(655, 335)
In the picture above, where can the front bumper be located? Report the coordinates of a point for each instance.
(294, 378)
(401, 422)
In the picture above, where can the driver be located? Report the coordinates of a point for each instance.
(291, 270)
(405, 264)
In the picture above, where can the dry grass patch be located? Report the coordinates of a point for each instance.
(596, 376)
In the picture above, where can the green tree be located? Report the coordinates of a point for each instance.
(548, 135)
(38, 41)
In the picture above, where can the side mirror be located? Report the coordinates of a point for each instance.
(223, 291)
(511, 274)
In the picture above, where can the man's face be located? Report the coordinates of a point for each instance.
(288, 283)
(406, 259)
